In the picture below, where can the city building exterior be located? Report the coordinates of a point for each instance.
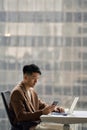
(53, 35)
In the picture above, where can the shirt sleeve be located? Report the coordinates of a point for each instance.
(42, 104)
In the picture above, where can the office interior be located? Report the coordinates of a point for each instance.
(53, 35)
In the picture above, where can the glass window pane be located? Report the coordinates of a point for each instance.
(68, 4)
(77, 42)
(77, 17)
(84, 17)
(68, 41)
(84, 42)
(84, 4)
(68, 17)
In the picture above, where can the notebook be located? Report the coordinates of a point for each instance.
(70, 111)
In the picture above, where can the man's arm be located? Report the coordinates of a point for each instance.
(42, 104)
(17, 102)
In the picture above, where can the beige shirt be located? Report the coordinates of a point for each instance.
(29, 94)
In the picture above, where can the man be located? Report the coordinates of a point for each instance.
(24, 102)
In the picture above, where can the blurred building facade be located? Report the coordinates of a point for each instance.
(51, 34)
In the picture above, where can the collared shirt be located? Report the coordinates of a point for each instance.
(29, 94)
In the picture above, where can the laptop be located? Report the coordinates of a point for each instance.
(70, 111)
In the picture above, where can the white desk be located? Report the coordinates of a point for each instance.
(75, 118)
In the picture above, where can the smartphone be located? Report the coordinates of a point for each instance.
(55, 103)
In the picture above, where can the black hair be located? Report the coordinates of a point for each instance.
(29, 69)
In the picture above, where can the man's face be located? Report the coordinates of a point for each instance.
(31, 79)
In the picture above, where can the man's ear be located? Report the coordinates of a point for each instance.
(25, 76)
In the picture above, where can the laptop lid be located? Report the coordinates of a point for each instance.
(71, 109)
(73, 105)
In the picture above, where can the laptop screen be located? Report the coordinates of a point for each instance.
(73, 105)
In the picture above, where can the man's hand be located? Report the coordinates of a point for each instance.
(48, 109)
(59, 109)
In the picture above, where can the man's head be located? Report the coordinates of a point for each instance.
(29, 69)
(31, 74)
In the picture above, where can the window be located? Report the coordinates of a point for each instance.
(77, 17)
